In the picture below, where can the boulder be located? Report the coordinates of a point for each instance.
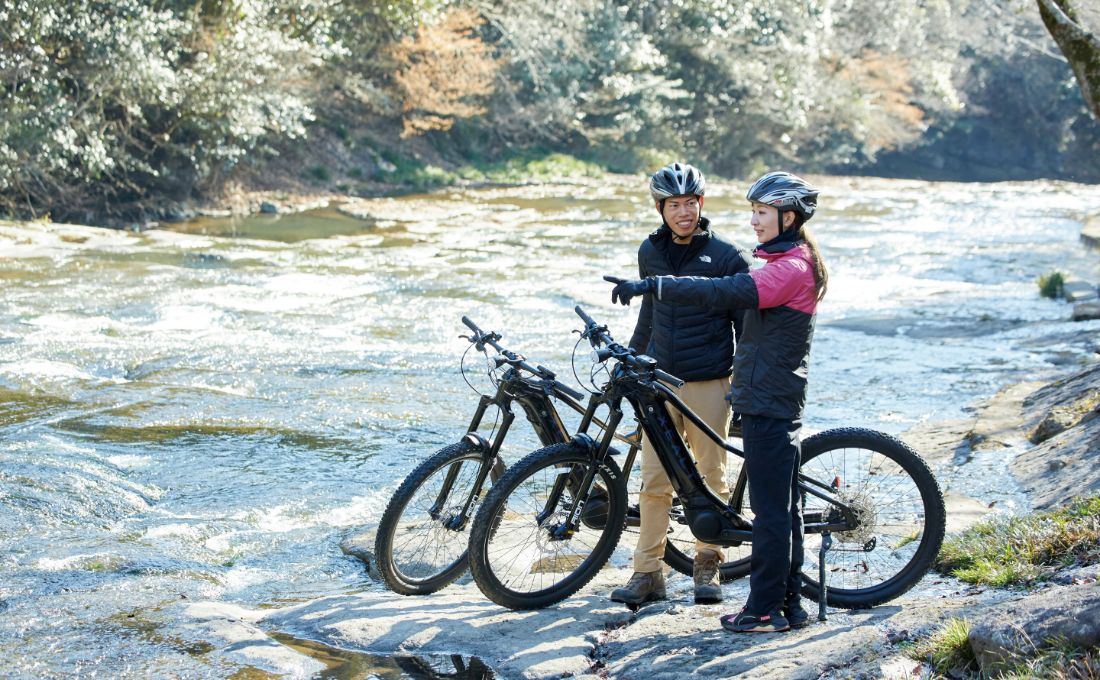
(1086, 311)
(1091, 232)
(1011, 631)
(1079, 291)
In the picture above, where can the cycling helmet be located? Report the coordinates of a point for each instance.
(785, 191)
(677, 179)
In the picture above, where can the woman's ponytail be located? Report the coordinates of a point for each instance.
(821, 274)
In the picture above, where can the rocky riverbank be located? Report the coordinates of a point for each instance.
(588, 636)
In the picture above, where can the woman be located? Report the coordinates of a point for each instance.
(769, 384)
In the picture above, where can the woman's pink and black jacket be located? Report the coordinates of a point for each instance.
(770, 364)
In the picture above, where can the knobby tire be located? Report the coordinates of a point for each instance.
(516, 561)
(416, 554)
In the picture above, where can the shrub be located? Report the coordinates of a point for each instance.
(947, 649)
(1052, 285)
(105, 107)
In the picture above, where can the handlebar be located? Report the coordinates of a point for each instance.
(668, 378)
(481, 338)
(598, 335)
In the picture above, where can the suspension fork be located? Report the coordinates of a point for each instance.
(581, 489)
(489, 459)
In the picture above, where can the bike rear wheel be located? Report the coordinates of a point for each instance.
(900, 511)
(420, 546)
(519, 557)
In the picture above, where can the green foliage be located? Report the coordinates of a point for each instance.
(318, 173)
(1014, 551)
(947, 649)
(538, 166)
(107, 105)
(1052, 285)
(114, 107)
(1058, 661)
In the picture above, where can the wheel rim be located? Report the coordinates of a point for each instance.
(524, 556)
(892, 516)
(423, 546)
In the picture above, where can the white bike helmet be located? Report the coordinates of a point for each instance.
(677, 179)
(785, 191)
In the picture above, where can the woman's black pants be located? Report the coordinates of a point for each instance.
(773, 452)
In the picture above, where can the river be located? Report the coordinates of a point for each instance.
(207, 410)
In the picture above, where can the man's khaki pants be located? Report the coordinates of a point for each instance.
(707, 398)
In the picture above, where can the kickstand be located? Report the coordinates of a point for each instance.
(826, 543)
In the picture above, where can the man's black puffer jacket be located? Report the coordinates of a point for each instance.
(692, 342)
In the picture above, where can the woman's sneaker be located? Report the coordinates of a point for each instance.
(796, 615)
(744, 622)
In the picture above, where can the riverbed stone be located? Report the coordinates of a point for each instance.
(1086, 311)
(1090, 234)
(1008, 632)
(1079, 291)
(233, 633)
(1067, 461)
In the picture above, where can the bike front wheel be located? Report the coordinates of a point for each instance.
(522, 555)
(420, 546)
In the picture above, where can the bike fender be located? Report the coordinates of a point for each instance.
(477, 440)
(584, 441)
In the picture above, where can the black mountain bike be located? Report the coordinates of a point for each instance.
(871, 506)
(420, 545)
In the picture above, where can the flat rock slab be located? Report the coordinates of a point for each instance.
(1012, 631)
(1079, 291)
(588, 636)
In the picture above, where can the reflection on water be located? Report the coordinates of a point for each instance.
(311, 224)
(206, 411)
(341, 664)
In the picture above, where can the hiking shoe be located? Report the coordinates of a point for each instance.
(642, 587)
(744, 622)
(796, 615)
(705, 574)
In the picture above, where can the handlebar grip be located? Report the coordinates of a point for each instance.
(471, 325)
(568, 390)
(587, 319)
(668, 378)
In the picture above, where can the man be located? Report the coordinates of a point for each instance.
(696, 344)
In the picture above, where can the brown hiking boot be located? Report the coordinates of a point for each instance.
(642, 587)
(705, 573)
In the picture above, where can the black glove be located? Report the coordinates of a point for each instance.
(625, 290)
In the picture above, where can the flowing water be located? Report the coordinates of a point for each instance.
(204, 412)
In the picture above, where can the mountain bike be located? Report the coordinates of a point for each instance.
(873, 512)
(421, 539)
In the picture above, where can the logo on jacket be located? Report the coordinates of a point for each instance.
(704, 258)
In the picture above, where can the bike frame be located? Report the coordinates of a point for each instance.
(637, 380)
(533, 396)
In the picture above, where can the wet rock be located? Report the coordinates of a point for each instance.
(267, 208)
(1057, 421)
(1086, 311)
(1080, 291)
(1005, 633)
(1067, 461)
(229, 631)
(1091, 232)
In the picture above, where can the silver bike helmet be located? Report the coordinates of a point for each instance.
(785, 191)
(677, 179)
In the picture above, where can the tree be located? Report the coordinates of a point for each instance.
(1074, 28)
